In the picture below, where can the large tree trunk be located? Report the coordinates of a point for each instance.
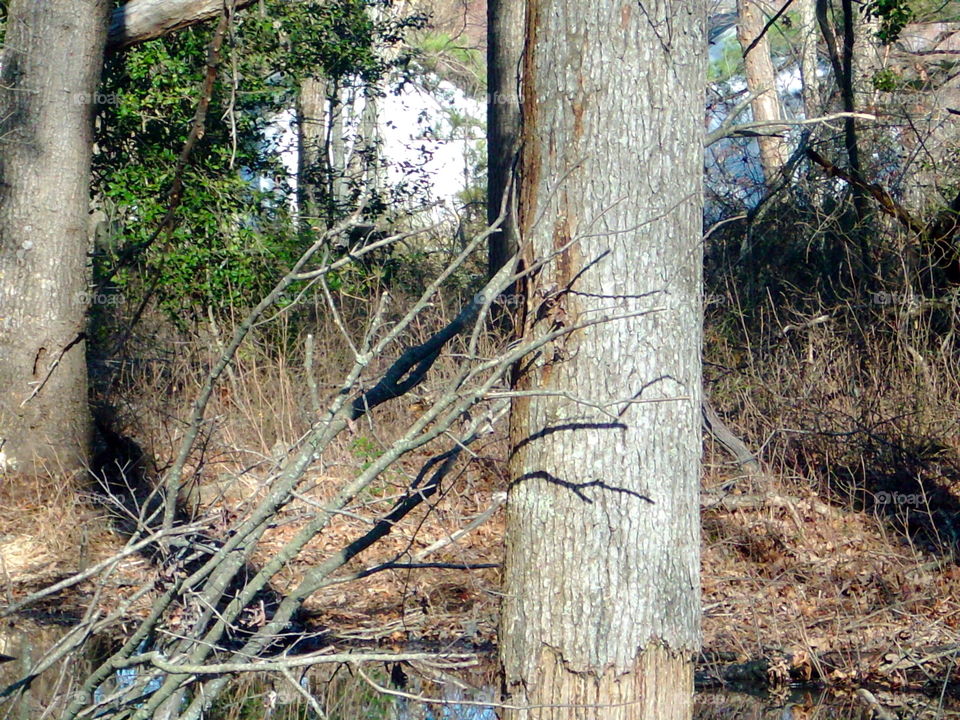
(504, 48)
(761, 80)
(600, 615)
(51, 66)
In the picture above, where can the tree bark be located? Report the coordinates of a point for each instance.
(504, 49)
(762, 81)
(140, 20)
(600, 616)
(50, 69)
(809, 58)
(313, 170)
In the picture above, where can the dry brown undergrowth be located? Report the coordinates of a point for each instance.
(829, 574)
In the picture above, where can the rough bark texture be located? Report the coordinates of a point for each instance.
(504, 48)
(761, 78)
(809, 36)
(313, 171)
(51, 65)
(141, 20)
(601, 597)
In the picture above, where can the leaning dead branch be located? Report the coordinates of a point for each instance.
(752, 129)
(229, 618)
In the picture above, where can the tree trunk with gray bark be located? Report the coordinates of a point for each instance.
(762, 82)
(809, 58)
(600, 616)
(51, 65)
(313, 171)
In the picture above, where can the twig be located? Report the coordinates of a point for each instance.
(95, 569)
(302, 691)
(157, 660)
(499, 499)
(311, 379)
(485, 703)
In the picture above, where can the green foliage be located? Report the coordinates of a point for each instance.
(730, 63)
(893, 15)
(336, 40)
(444, 55)
(886, 80)
(216, 254)
(365, 450)
(233, 234)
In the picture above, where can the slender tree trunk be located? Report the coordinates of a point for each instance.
(504, 48)
(600, 616)
(840, 49)
(861, 203)
(761, 80)
(809, 59)
(341, 105)
(369, 166)
(846, 81)
(51, 65)
(312, 171)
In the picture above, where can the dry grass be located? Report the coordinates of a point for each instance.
(840, 410)
(47, 530)
(854, 409)
(259, 414)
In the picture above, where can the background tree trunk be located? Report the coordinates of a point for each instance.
(601, 596)
(809, 58)
(761, 78)
(313, 170)
(51, 66)
(504, 48)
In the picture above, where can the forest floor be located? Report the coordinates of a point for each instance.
(803, 579)
(795, 586)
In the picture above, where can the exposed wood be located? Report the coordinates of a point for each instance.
(141, 20)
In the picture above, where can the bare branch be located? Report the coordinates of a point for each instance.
(140, 20)
(750, 129)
